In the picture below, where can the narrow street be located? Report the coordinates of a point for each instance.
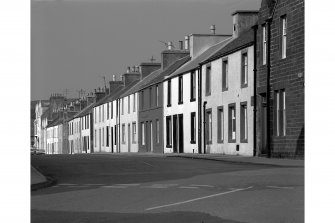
(140, 188)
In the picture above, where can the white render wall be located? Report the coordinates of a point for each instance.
(186, 108)
(99, 141)
(235, 94)
(129, 116)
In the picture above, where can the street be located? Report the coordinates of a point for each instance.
(156, 188)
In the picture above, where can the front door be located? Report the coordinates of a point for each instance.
(129, 138)
(263, 117)
(175, 135)
(180, 134)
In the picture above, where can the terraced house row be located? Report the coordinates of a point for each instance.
(238, 94)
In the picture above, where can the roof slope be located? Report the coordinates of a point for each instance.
(194, 63)
(244, 40)
(168, 71)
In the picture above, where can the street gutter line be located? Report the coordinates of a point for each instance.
(277, 187)
(197, 199)
(187, 187)
(201, 185)
(127, 184)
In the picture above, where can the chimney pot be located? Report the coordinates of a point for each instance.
(170, 45)
(213, 29)
(187, 42)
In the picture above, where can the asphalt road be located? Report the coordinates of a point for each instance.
(138, 188)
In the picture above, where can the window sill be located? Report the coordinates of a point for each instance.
(220, 141)
(192, 99)
(180, 102)
(169, 105)
(231, 140)
(244, 140)
(168, 146)
(224, 89)
(244, 85)
(208, 94)
(209, 143)
(192, 142)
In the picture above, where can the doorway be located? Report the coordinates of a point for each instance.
(129, 138)
(263, 122)
(180, 133)
(174, 133)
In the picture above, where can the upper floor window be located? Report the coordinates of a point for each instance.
(284, 33)
(208, 80)
(128, 104)
(264, 43)
(134, 103)
(111, 110)
(169, 93)
(225, 75)
(157, 96)
(193, 86)
(107, 111)
(142, 100)
(150, 97)
(244, 70)
(122, 106)
(180, 89)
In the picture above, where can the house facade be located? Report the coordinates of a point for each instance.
(228, 92)
(280, 79)
(181, 93)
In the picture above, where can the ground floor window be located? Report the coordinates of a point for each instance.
(143, 133)
(107, 136)
(123, 133)
(168, 131)
(157, 131)
(280, 112)
(134, 132)
(232, 123)
(244, 122)
(220, 124)
(193, 128)
(209, 132)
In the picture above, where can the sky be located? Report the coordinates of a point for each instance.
(75, 43)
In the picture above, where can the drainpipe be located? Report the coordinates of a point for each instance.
(205, 102)
(268, 88)
(119, 133)
(255, 86)
(199, 108)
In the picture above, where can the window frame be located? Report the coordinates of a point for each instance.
(193, 128)
(220, 124)
(231, 123)
(208, 87)
(244, 122)
(244, 69)
(168, 131)
(169, 93)
(134, 132)
(180, 90)
(193, 85)
(224, 76)
(283, 32)
(209, 126)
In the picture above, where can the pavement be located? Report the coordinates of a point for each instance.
(38, 180)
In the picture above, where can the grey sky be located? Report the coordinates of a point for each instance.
(75, 42)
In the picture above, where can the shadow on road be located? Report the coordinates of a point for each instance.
(166, 217)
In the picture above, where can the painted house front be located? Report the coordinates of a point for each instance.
(181, 94)
(228, 92)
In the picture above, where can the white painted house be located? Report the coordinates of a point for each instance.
(181, 92)
(228, 90)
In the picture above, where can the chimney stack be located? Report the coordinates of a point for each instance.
(187, 42)
(213, 29)
(181, 45)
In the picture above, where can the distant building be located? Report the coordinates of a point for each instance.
(280, 79)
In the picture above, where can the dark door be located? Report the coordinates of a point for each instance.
(175, 135)
(129, 138)
(180, 134)
(263, 125)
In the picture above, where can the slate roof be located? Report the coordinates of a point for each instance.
(244, 40)
(194, 63)
(55, 122)
(168, 71)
